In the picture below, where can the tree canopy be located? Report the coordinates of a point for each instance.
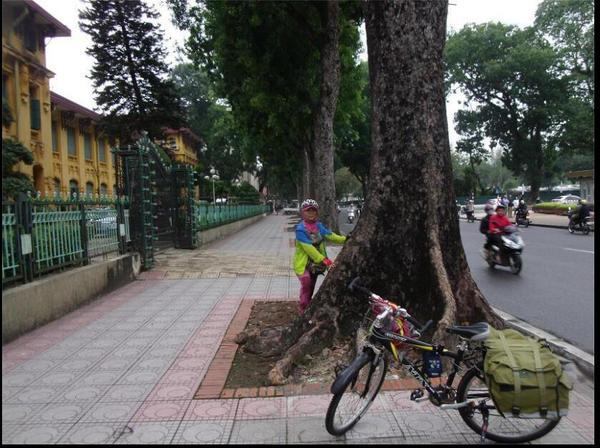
(129, 72)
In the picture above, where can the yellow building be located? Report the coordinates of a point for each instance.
(183, 145)
(69, 154)
(81, 160)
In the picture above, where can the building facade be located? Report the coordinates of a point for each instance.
(70, 154)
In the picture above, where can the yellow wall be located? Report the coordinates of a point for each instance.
(24, 72)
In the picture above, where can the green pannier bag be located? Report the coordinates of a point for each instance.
(524, 377)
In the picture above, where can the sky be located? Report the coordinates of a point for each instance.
(66, 57)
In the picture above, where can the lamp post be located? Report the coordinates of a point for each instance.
(214, 176)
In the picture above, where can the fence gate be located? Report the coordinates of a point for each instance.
(160, 199)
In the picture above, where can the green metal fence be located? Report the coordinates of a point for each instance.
(42, 235)
(210, 215)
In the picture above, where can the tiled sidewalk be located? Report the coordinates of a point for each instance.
(124, 369)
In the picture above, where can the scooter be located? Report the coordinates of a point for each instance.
(470, 216)
(510, 252)
(351, 216)
(581, 226)
(521, 219)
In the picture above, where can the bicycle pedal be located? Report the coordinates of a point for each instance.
(416, 394)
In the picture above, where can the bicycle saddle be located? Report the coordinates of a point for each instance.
(475, 332)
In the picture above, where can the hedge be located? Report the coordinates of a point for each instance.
(556, 208)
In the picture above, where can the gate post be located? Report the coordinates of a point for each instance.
(83, 231)
(24, 216)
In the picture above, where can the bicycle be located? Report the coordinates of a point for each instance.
(356, 387)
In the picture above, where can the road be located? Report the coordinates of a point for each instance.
(555, 289)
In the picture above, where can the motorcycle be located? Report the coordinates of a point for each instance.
(351, 216)
(470, 215)
(582, 226)
(522, 218)
(510, 252)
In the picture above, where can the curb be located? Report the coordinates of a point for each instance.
(582, 359)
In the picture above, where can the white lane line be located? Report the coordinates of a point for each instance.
(579, 250)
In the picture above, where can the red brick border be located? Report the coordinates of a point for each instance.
(213, 384)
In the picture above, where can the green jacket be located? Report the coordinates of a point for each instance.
(305, 245)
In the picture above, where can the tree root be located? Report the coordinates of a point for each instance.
(440, 273)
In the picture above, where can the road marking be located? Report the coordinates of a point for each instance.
(579, 250)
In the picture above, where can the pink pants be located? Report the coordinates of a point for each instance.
(307, 287)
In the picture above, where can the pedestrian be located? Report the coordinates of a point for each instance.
(310, 258)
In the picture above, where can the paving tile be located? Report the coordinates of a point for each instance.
(259, 432)
(103, 412)
(114, 363)
(172, 392)
(307, 405)
(126, 392)
(57, 379)
(262, 408)
(309, 430)
(99, 378)
(203, 432)
(212, 410)
(35, 394)
(36, 365)
(149, 433)
(183, 377)
(19, 413)
(20, 379)
(373, 425)
(36, 434)
(419, 424)
(190, 363)
(162, 411)
(75, 365)
(81, 393)
(54, 413)
(92, 433)
(140, 377)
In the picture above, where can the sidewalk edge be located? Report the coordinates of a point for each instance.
(584, 360)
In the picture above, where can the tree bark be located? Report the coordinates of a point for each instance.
(307, 173)
(324, 181)
(406, 245)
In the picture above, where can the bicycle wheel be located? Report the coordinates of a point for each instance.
(348, 406)
(506, 429)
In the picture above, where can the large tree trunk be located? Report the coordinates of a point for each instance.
(407, 244)
(307, 173)
(324, 181)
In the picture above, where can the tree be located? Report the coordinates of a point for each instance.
(407, 245)
(471, 144)
(508, 77)
(568, 27)
(346, 184)
(13, 152)
(129, 70)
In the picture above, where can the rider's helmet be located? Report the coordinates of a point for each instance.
(489, 208)
(521, 202)
(309, 203)
(582, 201)
(501, 205)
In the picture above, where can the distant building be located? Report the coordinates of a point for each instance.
(183, 144)
(586, 183)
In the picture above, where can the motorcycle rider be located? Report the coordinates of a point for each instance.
(498, 223)
(469, 208)
(521, 210)
(484, 225)
(581, 212)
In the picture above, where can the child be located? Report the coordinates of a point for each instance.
(310, 258)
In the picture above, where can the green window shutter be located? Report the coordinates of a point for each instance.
(54, 138)
(87, 146)
(101, 151)
(30, 38)
(71, 142)
(36, 117)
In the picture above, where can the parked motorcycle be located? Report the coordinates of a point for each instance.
(522, 218)
(582, 226)
(351, 216)
(510, 252)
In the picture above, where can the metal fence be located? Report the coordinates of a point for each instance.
(40, 236)
(211, 215)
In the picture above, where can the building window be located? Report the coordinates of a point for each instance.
(34, 109)
(87, 146)
(73, 188)
(57, 187)
(101, 150)
(30, 36)
(89, 189)
(103, 189)
(54, 137)
(71, 146)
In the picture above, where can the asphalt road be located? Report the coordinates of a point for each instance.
(553, 292)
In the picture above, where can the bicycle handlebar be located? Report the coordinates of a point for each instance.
(355, 285)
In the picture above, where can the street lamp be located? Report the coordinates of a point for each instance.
(214, 176)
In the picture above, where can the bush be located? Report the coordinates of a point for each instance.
(555, 208)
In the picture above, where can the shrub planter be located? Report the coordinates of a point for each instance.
(555, 208)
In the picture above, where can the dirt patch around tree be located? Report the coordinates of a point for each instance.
(251, 370)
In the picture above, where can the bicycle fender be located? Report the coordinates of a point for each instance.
(349, 372)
